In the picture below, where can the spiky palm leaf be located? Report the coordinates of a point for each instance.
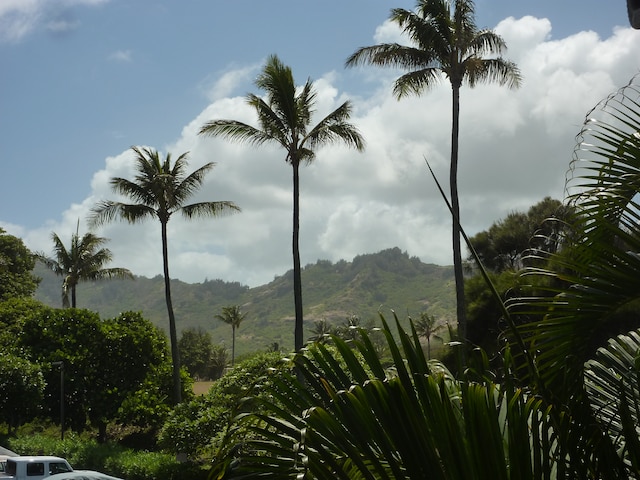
(347, 416)
(611, 381)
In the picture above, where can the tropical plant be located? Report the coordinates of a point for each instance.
(444, 42)
(83, 261)
(284, 118)
(232, 315)
(159, 190)
(321, 330)
(427, 328)
(350, 417)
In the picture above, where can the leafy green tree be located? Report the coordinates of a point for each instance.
(507, 242)
(83, 261)
(197, 426)
(444, 41)
(16, 267)
(13, 313)
(285, 119)
(131, 349)
(196, 351)
(105, 363)
(520, 239)
(22, 386)
(232, 315)
(159, 190)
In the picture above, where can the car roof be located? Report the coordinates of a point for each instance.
(81, 475)
(37, 458)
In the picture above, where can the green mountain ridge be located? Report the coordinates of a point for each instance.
(383, 282)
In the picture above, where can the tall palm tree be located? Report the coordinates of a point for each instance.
(445, 41)
(159, 190)
(83, 261)
(232, 315)
(284, 118)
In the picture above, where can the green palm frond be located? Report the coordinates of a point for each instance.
(345, 416)
(594, 276)
(611, 381)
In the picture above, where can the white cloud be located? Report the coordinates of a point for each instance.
(124, 56)
(515, 147)
(18, 18)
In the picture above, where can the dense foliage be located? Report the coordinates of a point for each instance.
(113, 369)
(16, 268)
(196, 427)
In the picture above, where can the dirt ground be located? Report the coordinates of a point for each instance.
(200, 388)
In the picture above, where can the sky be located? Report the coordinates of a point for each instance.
(81, 81)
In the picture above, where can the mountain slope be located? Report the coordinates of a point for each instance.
(385, 281)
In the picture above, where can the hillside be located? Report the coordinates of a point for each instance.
(385, 281)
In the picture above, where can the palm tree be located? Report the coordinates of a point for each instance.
(426, 327)
(232, 315)
(445, 42)
(284, 118)
(159, 190)
(83, 261)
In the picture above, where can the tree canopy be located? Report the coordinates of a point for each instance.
(16, 268)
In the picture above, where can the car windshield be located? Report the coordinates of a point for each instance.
(58, 467)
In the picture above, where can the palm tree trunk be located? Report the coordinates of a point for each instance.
(297, 275)
(455, 205)
(233, 344)
(73, 296)
(175, 354)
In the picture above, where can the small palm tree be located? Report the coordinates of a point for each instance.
(232, 315)
(83, 261)
(321, 331)
(445, 41)
(159, 190)
(285, 119)
(427, 328)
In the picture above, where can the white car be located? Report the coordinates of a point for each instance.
(82, 475)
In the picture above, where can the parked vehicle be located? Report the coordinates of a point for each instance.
(82, 475)
(51, 468)
(34, 467)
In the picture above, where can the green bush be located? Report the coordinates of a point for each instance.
(84, 453)
(153, 465)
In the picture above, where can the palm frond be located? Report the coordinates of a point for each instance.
(209, 209)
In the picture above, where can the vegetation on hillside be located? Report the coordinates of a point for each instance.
(383, 281)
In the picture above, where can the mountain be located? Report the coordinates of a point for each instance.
(371, 283)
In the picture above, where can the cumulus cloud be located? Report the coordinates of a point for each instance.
(515, 147)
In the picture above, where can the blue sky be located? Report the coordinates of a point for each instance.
(83, 80)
